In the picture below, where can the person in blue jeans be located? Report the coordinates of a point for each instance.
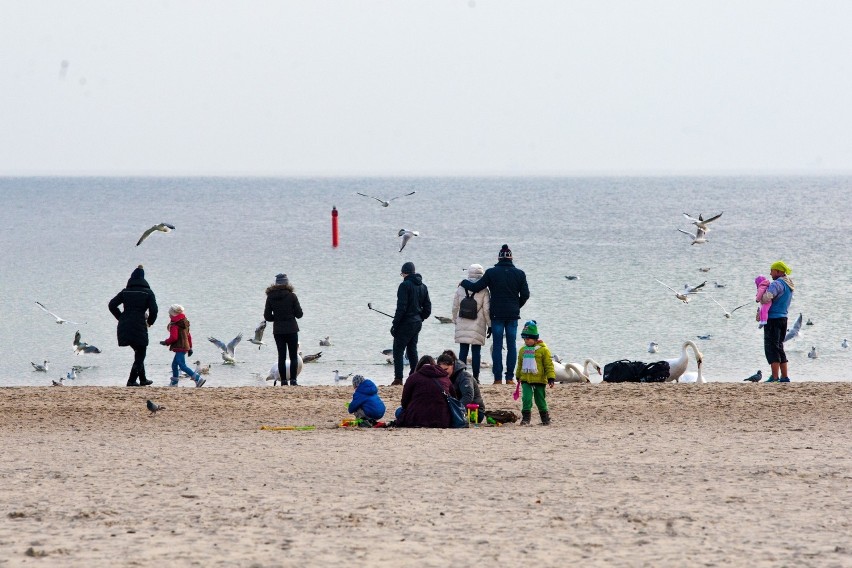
(509, 292)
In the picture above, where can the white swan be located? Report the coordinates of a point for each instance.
(678, 366)
(572, 373)
(693, 377)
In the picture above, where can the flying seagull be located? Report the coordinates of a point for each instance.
(382, 201)
(683, 296)
(227, 350)
(406, 236)
(153, 407)
(258, 334)
(699, 238)
(40, 368)
(795, 331)
(755, 378)
(82, 346)
(162, 227)
(58, 319)
(727, 313)
(701, 222)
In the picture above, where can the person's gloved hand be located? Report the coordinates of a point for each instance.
(163, 342)
(488, 332)
(189, 352)
(551, 382)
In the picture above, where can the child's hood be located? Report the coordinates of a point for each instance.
(179, 319)
(367, 388)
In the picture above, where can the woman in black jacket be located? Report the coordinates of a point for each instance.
(282, 308)
(140, 313)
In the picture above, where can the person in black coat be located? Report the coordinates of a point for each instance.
(282, 308)
(412, 308)
(140, 313)
(509, 293)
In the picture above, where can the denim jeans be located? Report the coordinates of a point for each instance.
(474, 357)
(179, 362)
(499, 328)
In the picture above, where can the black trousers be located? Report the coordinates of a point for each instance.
(773, 340)
(405, 345)
(287, 342)
(137, 371)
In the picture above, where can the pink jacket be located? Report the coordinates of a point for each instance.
(762, 284)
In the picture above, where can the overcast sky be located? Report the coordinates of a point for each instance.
(471, 87)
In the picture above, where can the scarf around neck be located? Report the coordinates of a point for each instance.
(528, 364)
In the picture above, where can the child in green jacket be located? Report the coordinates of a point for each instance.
(535, 372)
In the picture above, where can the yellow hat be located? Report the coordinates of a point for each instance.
(782, 266)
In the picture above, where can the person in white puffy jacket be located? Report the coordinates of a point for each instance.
(472, 333)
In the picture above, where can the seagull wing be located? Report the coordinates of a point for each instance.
(718, 304)
(76, 338)
(669, 287)
(91, 349)
(742, 306)
(691, 218)
(233, 344)
(398, 196)
(405, 238)
(794, 331)
(695, 289)
(687, 233)
(48, 311)
(382, 201)
(218, 343)
(172, 227)
(146, 234)
(258, 331)
(713, 218)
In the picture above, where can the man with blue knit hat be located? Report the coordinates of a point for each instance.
(509, 293)
(779, 294)
(412, 308)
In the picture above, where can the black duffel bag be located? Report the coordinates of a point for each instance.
(625, 371)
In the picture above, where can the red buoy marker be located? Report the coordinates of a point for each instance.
(334, 234)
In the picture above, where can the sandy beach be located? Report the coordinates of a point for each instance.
(628, 475)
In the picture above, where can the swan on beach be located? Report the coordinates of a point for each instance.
(678, 366)
(693, 377)
(274, 375)
(573, 373)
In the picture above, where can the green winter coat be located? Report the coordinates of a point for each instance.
(543, 362)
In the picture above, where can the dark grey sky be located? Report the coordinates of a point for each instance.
(416, 87)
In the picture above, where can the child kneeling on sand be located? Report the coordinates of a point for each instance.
(535, 372)
(366, 403)
(180, 341)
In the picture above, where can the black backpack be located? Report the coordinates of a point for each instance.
(656, 372)
(467, 307)
(623, 371)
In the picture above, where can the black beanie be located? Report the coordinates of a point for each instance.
(138, 273)
(505, 252)
(408, 268)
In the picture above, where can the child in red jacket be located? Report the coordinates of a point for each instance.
(180, 341)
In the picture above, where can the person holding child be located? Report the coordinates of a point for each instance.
(366, 403)
(180, 342)
(535, 372)
(465, 385)
(778, 296)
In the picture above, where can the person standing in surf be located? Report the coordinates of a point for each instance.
(140, 313)
(282, 308)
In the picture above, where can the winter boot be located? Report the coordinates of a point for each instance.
(143, 382)
(545, 418)
(397, 382)
(525, 417)
(293, 383)
(132, 383)
(498, 382)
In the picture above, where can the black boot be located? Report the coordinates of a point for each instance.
(525, 417)
(132, 383)
(143, 382)
(293, 383)
(545, 418)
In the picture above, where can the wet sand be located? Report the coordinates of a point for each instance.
(632, 475)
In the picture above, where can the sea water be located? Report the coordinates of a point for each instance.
(70, 243)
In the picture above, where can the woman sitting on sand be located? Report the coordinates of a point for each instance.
(465, 386)
(423, 401)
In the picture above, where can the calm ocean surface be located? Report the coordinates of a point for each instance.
(70, 244)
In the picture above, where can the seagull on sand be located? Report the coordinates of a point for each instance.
(227, 350)
(40, 368)
(82, 346)
(795, 331)
(727, 313)
(652, 347)
(701, 222)
(812, 354)
(162, 227)
(406, 236)
(258, 335)
(382, 201)
(683, 296)
(755, 378)
(699, 238)
(58, 319)
(443, 319)
(153, 407)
